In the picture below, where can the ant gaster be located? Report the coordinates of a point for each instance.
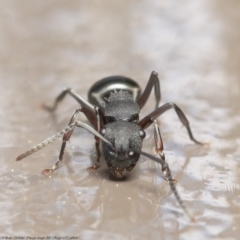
(113, 111)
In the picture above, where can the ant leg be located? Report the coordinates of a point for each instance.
(171, 182)
(146, 121)
(66, 138)
(87, 108)
(152, 82)
(97, 140)
(159, 148)
(92, 113)
(67, 133)
(77, 97)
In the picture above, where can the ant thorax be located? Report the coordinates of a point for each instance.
(121, 106)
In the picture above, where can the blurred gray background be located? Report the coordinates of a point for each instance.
(46, 46)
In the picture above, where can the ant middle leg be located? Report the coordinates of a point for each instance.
(159, 149)
(147, 121)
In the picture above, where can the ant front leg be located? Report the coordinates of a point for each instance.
(66, 138)
(171, 182)
(159, 149)
(152, 82)
(92, 113)
(66, 132)
(97, 140)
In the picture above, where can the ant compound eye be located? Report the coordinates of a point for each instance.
(142, 134)
(103, 131)
(112, 153)
(131, 153)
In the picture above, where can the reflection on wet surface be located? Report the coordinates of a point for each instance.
(48, 46)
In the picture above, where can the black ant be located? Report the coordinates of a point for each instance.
(113, 111)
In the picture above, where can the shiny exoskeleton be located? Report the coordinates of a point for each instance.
(113, 111)
(122, 130)
(116, 96)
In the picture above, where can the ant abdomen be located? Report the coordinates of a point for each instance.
(100, 91)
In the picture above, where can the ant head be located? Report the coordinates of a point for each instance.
(126, 138)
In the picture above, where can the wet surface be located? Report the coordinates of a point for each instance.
(47, 46)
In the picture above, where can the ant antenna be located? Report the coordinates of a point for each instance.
(46, 142)
(60, 134)
(171, 182)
